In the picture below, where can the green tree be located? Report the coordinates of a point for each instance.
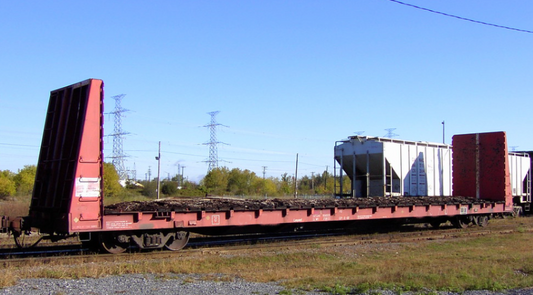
(265, 187)
(169, 188)
(25, 179)
(270, 188)
(7, 184)
(216, 181)
(324, 183)
(112, 187)
(149, 189)
(305, 185)
(190, 189)
(285, 184)
(240, 181)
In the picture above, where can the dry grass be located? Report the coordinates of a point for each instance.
(16, 207)
(492, 263)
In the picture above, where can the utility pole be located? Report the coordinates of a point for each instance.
(134, 172)
(443, 132)
(296, 179)
(158, 158)
(264, 171)
(326, 180)
(312, 181)
(182, 179)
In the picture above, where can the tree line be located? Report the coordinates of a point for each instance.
(218, 182)
(243, 183)
(17, 184)
(237, 182)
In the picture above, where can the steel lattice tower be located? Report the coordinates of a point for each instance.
(213, 143)
(118, 136)
(390, 133)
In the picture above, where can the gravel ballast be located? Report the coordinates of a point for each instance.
(145, 284)
(180, 284)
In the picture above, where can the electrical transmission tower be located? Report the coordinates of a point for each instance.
(213, 143)
(118, 136)
(134, 172)
(390, 134)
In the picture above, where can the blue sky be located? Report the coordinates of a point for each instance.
(288, 77)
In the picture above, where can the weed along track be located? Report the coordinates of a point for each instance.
(313, 263)
(418, 236)
(239, 244)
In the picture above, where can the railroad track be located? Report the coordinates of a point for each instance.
(235, 244)
(12, 255)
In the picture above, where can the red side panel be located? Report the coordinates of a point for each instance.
(86, 202)
(481, 167)
(67, 195)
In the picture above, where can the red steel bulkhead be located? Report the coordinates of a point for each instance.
(481, 167)
(67, 195)
(86, 205)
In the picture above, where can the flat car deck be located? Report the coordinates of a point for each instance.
(225, 204)
(210, 215)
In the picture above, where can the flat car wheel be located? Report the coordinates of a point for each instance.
(460, 222)
(483, 220)
(110, 244)
(25, 240)
(435, 224)
(178, 241)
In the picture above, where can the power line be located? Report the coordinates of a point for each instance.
(19, 145)
(463, 18)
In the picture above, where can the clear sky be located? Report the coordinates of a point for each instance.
(287, 77)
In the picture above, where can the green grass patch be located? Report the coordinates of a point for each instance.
(496, 262)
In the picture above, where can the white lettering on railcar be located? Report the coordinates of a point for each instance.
(87, 187)
(364, 216)
(118, 224)
(215, 220)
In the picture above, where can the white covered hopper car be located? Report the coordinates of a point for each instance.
(381, 167)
